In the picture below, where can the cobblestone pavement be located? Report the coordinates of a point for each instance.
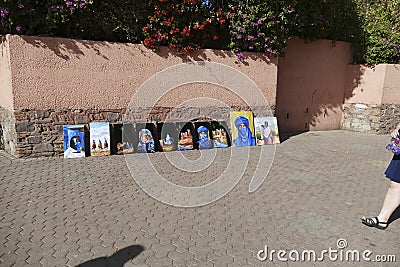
(90, 212)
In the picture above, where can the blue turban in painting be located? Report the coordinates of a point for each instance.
(245, 137)
(148, 146)
(204, 141)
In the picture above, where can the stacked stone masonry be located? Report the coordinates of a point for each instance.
(368, 118)
(33, 133)
(40, 132)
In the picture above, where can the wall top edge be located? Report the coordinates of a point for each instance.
(375, 65)
(296, 38)
(11, 37)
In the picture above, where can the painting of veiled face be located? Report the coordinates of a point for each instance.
(74, 141)
(146, 142)
(242, 125)
(203, 135)
(100, 138)
(266, 130)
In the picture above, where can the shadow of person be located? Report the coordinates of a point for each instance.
(395, 215)
(118, 259)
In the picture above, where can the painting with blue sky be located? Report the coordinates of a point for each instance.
(99, 138)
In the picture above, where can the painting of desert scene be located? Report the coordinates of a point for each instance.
(219, 135)
(185, 141)
(99, 139)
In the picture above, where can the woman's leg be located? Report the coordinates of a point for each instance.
(391, 202)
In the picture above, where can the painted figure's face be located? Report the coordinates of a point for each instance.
(242, 128)
(145, 138)
(242, 125)
(203, 135)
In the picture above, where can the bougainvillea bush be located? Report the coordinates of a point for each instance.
(37, 17)
(255, 25)
(239, 25)
(382, 31)
(261, 26)
(185, 25)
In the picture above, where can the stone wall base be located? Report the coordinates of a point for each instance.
(376, 119)
(34, 133)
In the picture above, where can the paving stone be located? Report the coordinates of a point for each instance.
(158, 262)
(318, 187)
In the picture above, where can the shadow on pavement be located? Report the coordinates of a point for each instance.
(118, 259)
(395, 215)
(285, 136)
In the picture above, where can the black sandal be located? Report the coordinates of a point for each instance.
(374, 222)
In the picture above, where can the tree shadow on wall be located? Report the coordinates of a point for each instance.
(315, 78)
(66, 48)
(204, 55)
(311, 92)
(118, 259)
(105, 21)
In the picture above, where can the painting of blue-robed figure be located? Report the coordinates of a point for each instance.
(203, 130)
(147, 141)
(74, 141)
(242, 125)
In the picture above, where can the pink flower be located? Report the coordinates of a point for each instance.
(21, 6)
(239, 55)
(4, 12)
(18, 28)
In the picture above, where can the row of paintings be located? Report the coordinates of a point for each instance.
(105, 139)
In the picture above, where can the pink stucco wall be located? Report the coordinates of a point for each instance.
(379, 84)
(311, 81)
(391, 89)
(309, 87)
(57, 73)
(365, 84)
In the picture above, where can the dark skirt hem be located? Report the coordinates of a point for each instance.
(393, 170)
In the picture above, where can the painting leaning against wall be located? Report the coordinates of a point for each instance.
(266, 129)
(99, 139)
(242, 125)
(74, 141)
